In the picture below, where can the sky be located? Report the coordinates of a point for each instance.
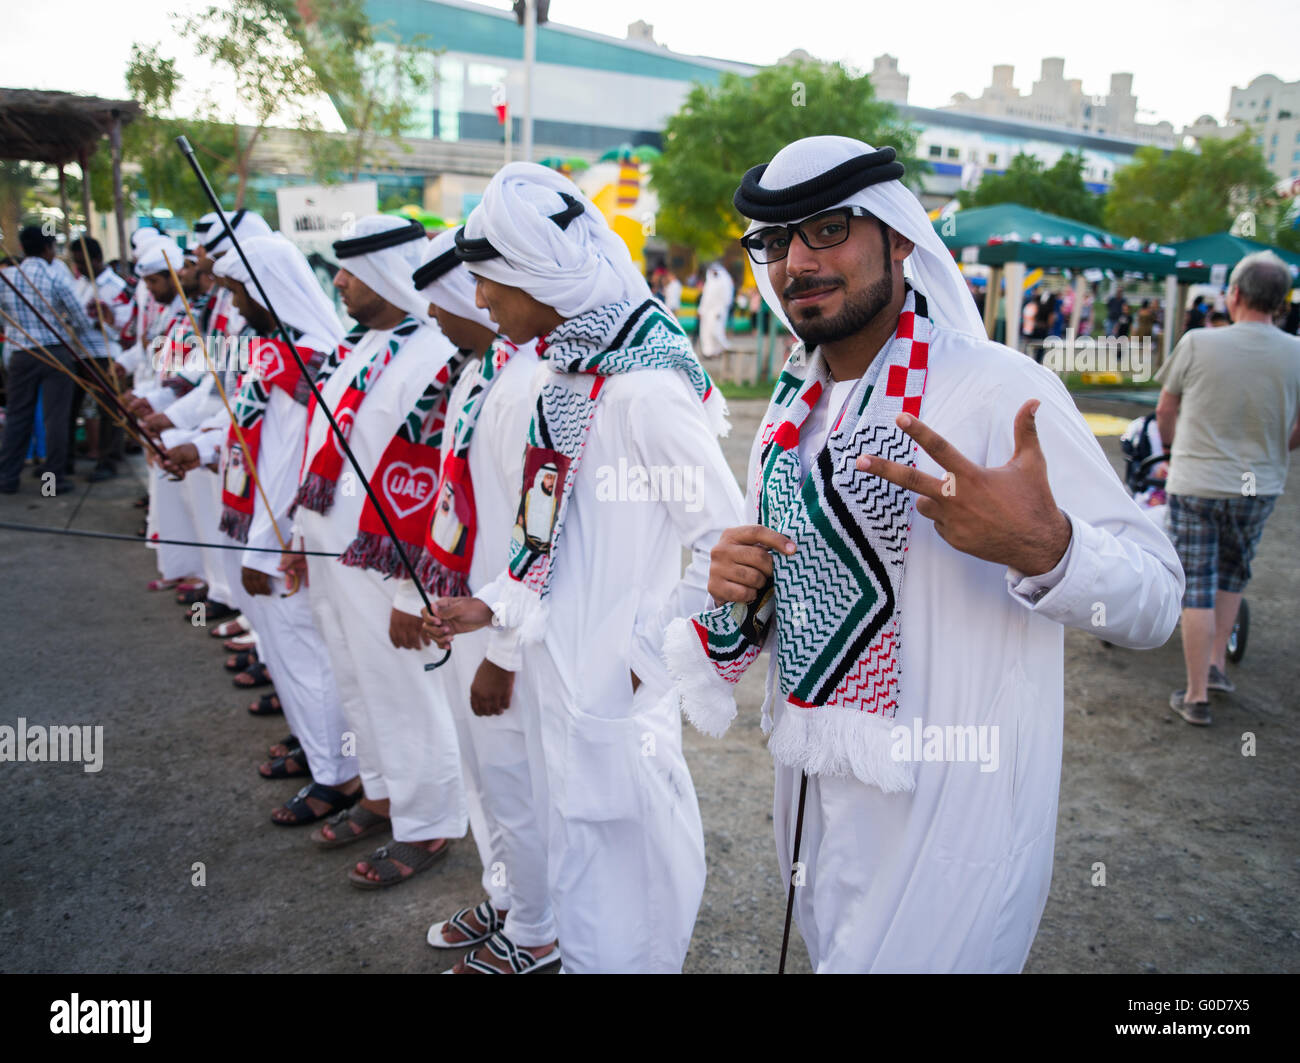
(1185, 56)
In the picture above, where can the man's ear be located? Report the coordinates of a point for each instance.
(899, 245)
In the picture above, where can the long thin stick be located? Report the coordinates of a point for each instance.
(184, 145)
(99, 312)
(166, 542)
(56, 315)
(48, 359)
(794, 868)
(249, 463)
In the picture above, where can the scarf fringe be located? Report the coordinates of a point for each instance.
(522, 608)
(439, 580)
(706, 699)
(829, 740)
(316, 493)
(235, 524)
(378, 552)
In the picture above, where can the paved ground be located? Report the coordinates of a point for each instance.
(97, 870)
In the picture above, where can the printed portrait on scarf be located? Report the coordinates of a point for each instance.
(237, 481)
(544, 473)
(450, 520)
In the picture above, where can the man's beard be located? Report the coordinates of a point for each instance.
(857, 313)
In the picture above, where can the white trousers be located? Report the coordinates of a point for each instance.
(299, 663)
(169, 518)
(503, 805)
(625, 844)
(405, 736)
(202, 494)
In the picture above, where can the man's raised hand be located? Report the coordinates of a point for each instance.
(406, 631)
(1005, 515)
(741, 562)
(454, 616)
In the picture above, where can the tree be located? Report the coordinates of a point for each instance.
(1179, 195)
(18, 180)
(374, 78)
(1058, 189)
(164, 177)
(251, 41)
(721, 131)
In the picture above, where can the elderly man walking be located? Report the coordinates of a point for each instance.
(1228, 412)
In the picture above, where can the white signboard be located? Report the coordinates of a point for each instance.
(1219, 275)
(314, 216)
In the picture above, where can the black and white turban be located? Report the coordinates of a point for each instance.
(820, 173)
(536, 231)
(382, 253)
(444, 281)
(212, 234)
(291, 286)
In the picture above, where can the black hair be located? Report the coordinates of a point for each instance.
(34, 240)
(93, 249)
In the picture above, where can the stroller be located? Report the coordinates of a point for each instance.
(1146, 467)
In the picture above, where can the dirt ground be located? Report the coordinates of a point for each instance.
(97, 870)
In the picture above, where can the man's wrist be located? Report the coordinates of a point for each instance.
(1053, 548)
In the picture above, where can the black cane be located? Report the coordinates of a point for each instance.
(794, 868)
(184, 144)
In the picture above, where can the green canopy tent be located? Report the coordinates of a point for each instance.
(1197, 258)
(1012, 238)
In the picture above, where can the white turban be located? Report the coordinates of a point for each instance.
(291, 286)
(153, 256)
(386, 271)
(450, 287)
(144, 235)
(930, 263)
(571, 269)
(212, 234)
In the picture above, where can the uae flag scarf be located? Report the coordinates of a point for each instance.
(404, 481)
(321, 478)
(583, 351)
(835, 600)
(271, 365)
(452, 527)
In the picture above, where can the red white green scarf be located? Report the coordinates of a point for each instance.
(836, 598)
(404, 481)
(452, 527)
(316, 491)
(271, 365)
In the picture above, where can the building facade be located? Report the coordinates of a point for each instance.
(1269, 108)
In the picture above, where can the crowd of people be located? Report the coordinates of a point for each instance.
(432, 533)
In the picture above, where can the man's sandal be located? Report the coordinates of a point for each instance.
(520, 960)
(486, 915)
(351, 825)
(286, 747)
(240, 661)
(192, 596)
(239, 643)
(161, 584)
(303, 813)
(384, 863)
(257, 675)
(229, 629)
(279, 767)
(267, 705)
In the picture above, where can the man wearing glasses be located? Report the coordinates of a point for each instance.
(928, 509)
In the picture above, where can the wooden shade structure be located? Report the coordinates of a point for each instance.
(62, 127)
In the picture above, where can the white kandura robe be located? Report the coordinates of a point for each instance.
(716, 297)
(506, 797)
(625, 844)
(405, 736)
(954, 876)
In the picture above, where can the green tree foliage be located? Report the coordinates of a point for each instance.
(721, 131)
(163, 177)
(18, 183)
(374, 78)
(1058, 189)
(1178, 195)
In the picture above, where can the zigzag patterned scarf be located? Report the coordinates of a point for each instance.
(836, 598)
(584, 351)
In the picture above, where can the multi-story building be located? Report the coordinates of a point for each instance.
(1269, 109)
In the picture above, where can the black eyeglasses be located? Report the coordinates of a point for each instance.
(818, 233)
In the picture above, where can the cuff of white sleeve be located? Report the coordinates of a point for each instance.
(407, 598)
(1057, 590)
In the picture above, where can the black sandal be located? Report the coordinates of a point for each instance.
(303, 812)
(265, 708)
(242, 661)
(257, 673)
(280, 766)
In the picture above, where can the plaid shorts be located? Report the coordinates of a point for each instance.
(1216, 539)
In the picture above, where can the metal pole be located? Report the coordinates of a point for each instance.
(530, 53)
(119, 211)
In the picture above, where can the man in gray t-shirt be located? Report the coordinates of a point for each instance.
(1228, 412)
